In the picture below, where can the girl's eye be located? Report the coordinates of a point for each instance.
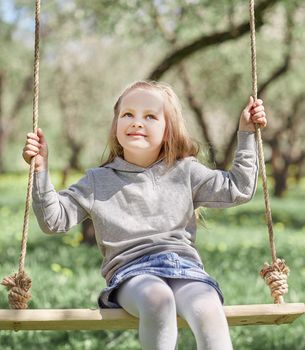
(148, 116)
(127, 115)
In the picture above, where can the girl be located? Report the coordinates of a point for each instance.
(142, 202)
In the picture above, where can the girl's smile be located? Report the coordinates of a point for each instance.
(136, 135)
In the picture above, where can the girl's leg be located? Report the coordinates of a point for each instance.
(151, 299)
(198, 303)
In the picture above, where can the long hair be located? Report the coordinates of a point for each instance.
(177, 143)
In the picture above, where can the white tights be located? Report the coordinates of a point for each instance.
(157, 301)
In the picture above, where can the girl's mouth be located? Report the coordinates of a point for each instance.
(137, 135)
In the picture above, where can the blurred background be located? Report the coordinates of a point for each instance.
(90, 51)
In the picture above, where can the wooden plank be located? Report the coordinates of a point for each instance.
(93, 319)
(263, 314)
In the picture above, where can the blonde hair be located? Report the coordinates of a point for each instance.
(177, 142)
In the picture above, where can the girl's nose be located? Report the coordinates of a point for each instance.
(137, 123)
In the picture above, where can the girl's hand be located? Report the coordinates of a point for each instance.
(254, 113)
(36, 146)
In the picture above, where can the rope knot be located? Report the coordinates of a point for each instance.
(18, 286)
(276, 276)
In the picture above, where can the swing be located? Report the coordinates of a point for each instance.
(18, 318)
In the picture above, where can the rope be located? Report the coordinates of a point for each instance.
(19, 284)
(276, 274)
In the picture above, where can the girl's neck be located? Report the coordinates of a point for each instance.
(142, 160)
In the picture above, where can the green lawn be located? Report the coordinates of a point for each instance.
(233, 244)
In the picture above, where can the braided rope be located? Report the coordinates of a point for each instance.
(275, 275)
(19, 284)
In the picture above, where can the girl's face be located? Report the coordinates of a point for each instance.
(141, 125)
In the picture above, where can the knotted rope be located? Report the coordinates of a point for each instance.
(19, 284)
(276, 274)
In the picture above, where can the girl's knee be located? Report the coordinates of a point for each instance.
(208, 302)
(148, 296)
(208, 307)
(199, 301)
(158, 300)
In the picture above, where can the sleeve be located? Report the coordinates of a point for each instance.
(60, 211)
(222, 189)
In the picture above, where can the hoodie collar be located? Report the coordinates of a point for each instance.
(122, 165)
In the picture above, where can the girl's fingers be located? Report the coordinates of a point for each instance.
(33, 143)
(258, 102)
(32, 136)
(39, 138)
(31, 148)
(259, 115)
(257, 109)
(250, 104)
(40, 133)
(263, 123)
(260, 120)
(30, 153)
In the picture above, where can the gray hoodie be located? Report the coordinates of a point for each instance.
(138, 211)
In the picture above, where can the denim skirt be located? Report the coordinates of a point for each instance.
(165, 264)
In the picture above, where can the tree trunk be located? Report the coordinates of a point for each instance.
(88, 232)
(299, 171)
(280, 165)
(280, 182)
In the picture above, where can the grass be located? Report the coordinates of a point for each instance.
(233, 245)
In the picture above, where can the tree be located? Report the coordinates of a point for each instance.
(91, 50)
(9, 114)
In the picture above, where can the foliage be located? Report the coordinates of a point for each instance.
(92, 50)
(233, 245)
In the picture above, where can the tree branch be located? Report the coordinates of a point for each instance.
(195, 106)
(206, 41)
(198, 112)
(277, 73)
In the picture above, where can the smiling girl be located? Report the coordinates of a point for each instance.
(142, 202)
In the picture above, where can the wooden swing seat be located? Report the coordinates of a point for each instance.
(93, 319)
